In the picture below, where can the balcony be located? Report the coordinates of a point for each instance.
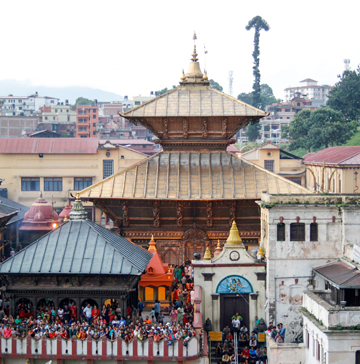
(316, 303)
(285, 353)
(104, 349)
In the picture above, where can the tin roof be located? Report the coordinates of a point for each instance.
(17, 206)
(335, 155)
(192, 176)
(49, 145)
(79, 247)
(341, 274)
(194, 101)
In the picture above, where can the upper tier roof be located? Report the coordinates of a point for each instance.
(192, 176)
(187, 100)
(335, 155)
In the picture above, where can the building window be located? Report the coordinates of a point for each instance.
(82, 182)
(314, 231)
(297, 232)
(281, 231)
(30, 184)
(307, 339)
(137, 103)
(339, 185)
(122, 157)
(269, 165)
(108, 168)
(80, 112)
(94, 110)
(52, 184)
(94, 116)
(357, 357)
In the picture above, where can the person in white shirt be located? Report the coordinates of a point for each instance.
(60, 313)
(88, 313)
(236, 323)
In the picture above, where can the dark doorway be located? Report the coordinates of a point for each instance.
(232, 303)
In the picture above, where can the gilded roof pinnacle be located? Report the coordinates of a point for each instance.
(207, 255)
(194, 55)
(234, 236)
(152, 244)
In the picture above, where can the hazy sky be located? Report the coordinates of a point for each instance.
(134, 47)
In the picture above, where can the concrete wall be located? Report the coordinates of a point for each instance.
(285, 353)
(13, 126)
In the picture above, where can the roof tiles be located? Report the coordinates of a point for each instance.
(335, 155)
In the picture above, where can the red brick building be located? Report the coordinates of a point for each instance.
(86, 119)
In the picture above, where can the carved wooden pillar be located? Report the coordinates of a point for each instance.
(209, 214)
(205, 128)
(179, 212)
(232, 212)
(165, 128)
(125, 211)
(224, 128)
(185, 128)
(156, 214)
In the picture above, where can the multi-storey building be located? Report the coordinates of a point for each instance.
(58, 118)
(86, 119)
(59, 167)
(309, 89)
(25, 105)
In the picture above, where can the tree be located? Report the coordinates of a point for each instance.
(266, 97)
(322, 127)
(253, 131)
(257, 23)
(163, 91)
(215, 85)
(345, 95)
(83, 101)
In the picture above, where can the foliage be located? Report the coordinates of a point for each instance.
(215, 85)
(345, 95)
(163, 91)
(253, 131)
(322, 127)
(266, 97)
(354, 140)
(257, 23)
(83, 101)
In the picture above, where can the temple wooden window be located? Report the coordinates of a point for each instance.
(269, 165)
(281, 231)
(161, 294)
(297, 232)
(314, 231)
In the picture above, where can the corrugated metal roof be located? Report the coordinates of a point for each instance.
(194, 101)
(49, 145)
(79, 247)
(126, 141)
(192, 176)
(340, 274)
(17, 206)
(335, 155)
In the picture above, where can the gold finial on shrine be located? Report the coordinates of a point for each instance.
(234, 236)
(261, 252)
(152, 244)
(218, 249)
(183, 77)
(207, 255)
(77, 196)
(194, 36)
(205, 77)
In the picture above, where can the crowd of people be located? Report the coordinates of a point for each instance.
(249, 350)
(109, 322)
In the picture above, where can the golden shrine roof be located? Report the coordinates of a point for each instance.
(192, 176)
(192, 100)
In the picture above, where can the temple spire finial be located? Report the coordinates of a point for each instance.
(152, 244)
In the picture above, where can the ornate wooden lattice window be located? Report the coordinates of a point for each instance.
(297, 232)
(314, 231)
(281, 231)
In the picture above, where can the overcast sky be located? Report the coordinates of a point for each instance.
(134, 47)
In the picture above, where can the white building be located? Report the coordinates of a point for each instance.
(25, 105)
(309, 89)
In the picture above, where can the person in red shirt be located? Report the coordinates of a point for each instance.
(128, 311)
(73, 311)
(52, 334)
(95, 312)
(245, 355)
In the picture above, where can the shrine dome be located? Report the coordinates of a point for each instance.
(41, 216)
(65, 213)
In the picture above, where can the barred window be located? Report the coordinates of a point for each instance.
(269, 165)
(82, 182)
(297, 232)
(281, 231)
(314, 231)
(108, 168)
(52, 184)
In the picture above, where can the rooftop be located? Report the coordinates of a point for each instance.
(335, 155)
(20, 208)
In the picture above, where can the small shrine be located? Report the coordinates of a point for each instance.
(65, 213)
(156, 283)
(40, 219)
(232, 281)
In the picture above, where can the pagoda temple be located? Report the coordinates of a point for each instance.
(189, 194)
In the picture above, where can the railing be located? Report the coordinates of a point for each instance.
(103, 349)
(284, 353)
